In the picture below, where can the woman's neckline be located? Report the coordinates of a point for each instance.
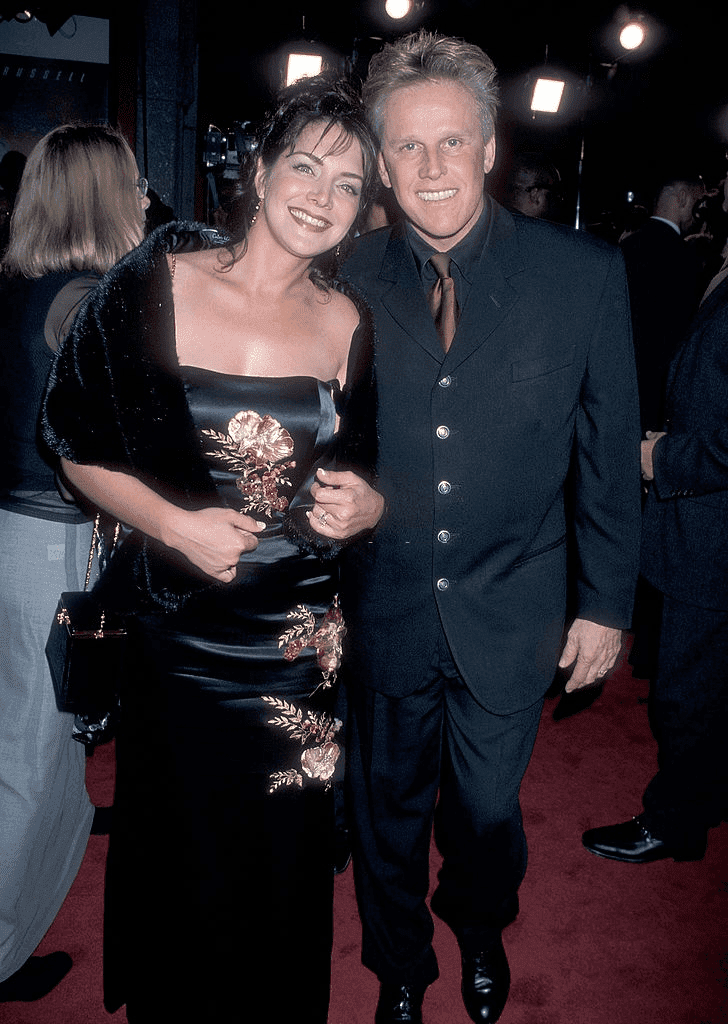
(186, 368)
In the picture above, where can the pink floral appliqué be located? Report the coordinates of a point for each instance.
(258, 448)
(326, 640)
(316, 733)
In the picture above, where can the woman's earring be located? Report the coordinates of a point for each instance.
(337, 251)
(255, 211)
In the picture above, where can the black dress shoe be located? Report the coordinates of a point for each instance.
(38, 976)
(486, 983)
(633, 843)
(399, 1004)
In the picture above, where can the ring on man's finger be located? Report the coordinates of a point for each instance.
(323, 518)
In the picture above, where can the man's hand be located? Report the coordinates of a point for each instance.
(653, 436)
(344, 505)
(592, 650)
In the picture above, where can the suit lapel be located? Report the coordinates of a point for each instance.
(403, 296)
(489, 300)
(491, 296)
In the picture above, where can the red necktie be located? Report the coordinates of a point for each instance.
(442, 301)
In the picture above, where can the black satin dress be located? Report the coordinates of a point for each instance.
(220, 880)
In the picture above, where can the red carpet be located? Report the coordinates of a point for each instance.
(597, 941)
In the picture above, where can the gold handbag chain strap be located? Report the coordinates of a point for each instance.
(95, 545)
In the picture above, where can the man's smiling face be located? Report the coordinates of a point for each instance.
(435, 158)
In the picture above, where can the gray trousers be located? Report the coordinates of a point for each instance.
(45, 812)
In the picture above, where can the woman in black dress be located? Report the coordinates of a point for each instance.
(217, 399)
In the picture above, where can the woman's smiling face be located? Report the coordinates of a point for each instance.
(310, 196)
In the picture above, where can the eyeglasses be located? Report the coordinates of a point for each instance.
(143, 185)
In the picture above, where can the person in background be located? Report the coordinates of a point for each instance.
(663, 277)
(78, 210)
(508, 435)
(217, 397)
(533, 186)
(663, 281)
(685, 558)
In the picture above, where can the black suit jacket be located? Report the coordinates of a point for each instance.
(662, 275)
(685, 531)
(537, 395)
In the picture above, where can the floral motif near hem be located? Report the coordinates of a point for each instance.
(258, 448)
(315, 731)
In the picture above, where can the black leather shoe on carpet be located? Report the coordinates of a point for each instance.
(633, 843)
(38, 976)
(486, 983)
(399, 1004)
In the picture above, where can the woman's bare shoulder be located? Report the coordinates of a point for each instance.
(338, 309)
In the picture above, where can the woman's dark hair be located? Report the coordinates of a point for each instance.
(334, 105)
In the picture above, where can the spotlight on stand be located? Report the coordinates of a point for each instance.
(397, 9)
(303, 65)
(632, 34)
(546, 96)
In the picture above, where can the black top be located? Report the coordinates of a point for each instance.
(27, 476)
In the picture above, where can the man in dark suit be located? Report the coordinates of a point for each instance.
(685, 556)
(663, 276)
(456, 606)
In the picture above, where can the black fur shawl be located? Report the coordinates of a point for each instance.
(115, 398)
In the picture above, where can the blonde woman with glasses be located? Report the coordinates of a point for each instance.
(79, 209)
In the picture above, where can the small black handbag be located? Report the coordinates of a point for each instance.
(86, 652)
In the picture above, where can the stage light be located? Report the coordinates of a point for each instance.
(397, 9)
(547, 93)
(632, 35)
(303, 65)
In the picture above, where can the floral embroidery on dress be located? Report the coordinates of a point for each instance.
(258, 448)
(316, 733)
(326, 640)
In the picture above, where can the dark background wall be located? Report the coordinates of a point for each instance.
(175, 67)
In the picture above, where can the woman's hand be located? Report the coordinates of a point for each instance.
(213, 539)
(344, 505)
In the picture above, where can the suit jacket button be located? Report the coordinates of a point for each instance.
(443, 536)
(445, 382)
(443, 431)
(444, 487)
(443, 584)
